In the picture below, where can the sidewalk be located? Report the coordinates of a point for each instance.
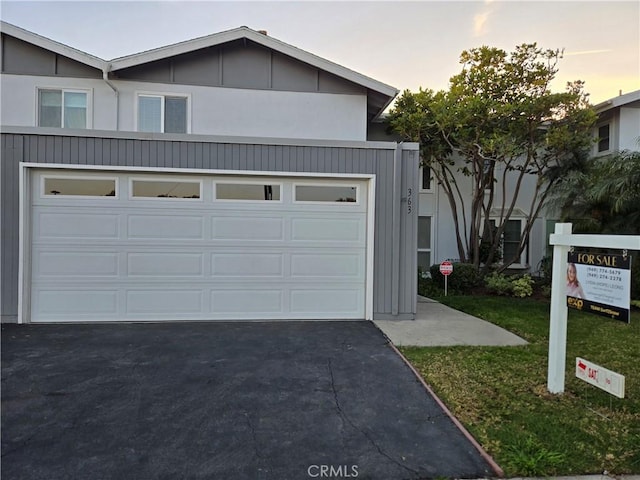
(437, 325)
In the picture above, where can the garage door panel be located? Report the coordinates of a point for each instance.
(165, 301)
(328, 230)
(165, 264)
(247, 302)
(70, 225)
(247, 265)
(84, 303)
(77, 264)
(346, 266)
(247, 228)
(165, 227)
(345, 301)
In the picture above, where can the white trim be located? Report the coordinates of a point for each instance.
(24, 275)
(201, 171)
(22, 239)
(371, 217)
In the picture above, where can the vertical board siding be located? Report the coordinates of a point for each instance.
(224, 156)
(12, 148)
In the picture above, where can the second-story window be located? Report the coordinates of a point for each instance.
(603, 138)
(62, 108)
(162, 113)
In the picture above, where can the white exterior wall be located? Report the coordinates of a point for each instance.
(213, 111)
(629, 129)
(443, 239)
(20, 99)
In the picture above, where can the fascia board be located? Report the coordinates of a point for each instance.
(618, 101)
(53, 46)
(265, 40)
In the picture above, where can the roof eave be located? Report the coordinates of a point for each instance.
(262, 39)
(53, 46)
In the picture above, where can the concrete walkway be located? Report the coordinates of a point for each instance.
(437, 325)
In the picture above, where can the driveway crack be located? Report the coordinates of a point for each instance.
(346, 418)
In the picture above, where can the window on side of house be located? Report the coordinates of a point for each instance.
(510, 241)
(162, 113)
(604, 143)
(425, 178)
(424, 243)
(62, 108)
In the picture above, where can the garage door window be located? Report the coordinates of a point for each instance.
(165, 189)
(247, 191)
(79, 186)
(328, 193)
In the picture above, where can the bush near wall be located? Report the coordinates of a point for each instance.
(463, 278)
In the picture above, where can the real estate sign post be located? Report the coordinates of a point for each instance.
(562, 241)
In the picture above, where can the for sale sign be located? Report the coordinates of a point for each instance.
(600, 284)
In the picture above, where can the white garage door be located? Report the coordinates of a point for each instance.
(128, 247)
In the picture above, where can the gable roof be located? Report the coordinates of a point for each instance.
(379, 95)
(619, 101)
(53, 46)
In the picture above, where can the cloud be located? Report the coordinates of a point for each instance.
(479, 22)
(587, 52)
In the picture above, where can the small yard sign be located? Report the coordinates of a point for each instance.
(610, 382)
(446, 269)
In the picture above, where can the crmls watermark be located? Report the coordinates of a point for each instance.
(333, 471)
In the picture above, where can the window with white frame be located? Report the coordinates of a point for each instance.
(162, 113)
(510, 241)
(424, 243)
(63, 108)
(425, 179)
(604, 138)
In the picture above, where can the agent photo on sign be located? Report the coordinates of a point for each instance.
(574, 289)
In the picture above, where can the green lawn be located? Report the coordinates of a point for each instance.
(500, 395)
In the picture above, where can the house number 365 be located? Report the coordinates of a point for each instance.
(409, 201)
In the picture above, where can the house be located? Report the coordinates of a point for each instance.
(617, 128)
(618, 125)
(228, 177)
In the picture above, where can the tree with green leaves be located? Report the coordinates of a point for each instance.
(602, 198)
(498, 127)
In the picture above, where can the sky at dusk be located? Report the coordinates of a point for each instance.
(404, 44)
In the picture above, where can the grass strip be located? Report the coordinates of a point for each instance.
(500, 395)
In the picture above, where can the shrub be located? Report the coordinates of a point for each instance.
(463, 278)
(523, 286)
(498, 283)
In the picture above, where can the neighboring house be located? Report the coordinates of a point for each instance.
(618, 128)
(618, 125)
(225, 177)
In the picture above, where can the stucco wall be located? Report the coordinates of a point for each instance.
(214, 111)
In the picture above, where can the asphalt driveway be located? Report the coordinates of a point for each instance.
(286, 400)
